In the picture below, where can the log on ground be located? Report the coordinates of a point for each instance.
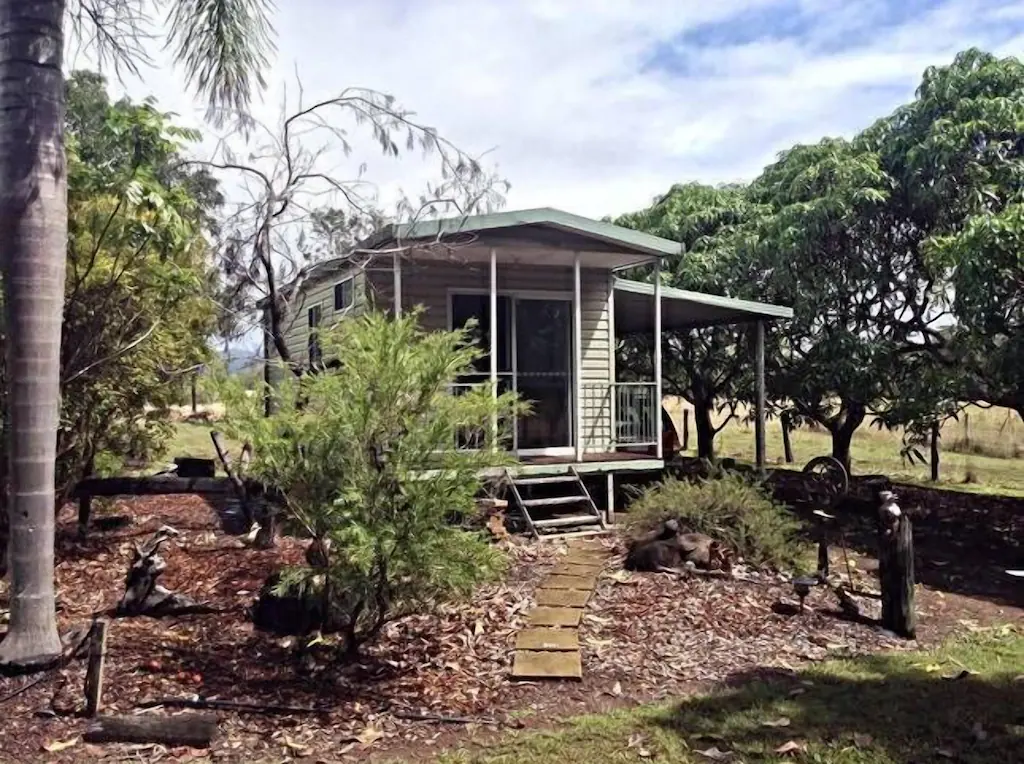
(193, 730)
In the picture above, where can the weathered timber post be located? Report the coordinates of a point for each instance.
(686, 429)
(935, 452)
(896, 574)
(94, 672)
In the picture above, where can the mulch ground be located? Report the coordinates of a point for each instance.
(644, 637)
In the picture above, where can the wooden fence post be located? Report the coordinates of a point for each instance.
(686, 429)
(935, 452)
(896, 574)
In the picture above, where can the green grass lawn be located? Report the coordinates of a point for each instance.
(982, 455)
(892, 708)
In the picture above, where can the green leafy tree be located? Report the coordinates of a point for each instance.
(368, 469)
(135, 313)
(710, 368)
(956, 155)
(221, 43)
(832, 364)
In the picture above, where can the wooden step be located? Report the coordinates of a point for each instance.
(558, 522)
(554, 501)
(545, 480)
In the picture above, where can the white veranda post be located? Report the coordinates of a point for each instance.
(759, 401)
(397, 272)
(577, 356)
(493, 345)
(657, 360)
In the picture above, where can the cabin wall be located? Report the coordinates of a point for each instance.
(297, 329)
(428, 285)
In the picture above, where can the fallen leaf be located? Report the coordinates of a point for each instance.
(797, 691)
(945, 753)
(791, 746)
(300, 750)
(861, 740)
(715, 754)
(58, 745)
(782, 721)
(369, 736)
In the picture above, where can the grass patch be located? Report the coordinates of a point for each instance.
(880, 709)
(730, 508)
(987, 466)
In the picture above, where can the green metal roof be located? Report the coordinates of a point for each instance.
(609, 233)
(682, 309)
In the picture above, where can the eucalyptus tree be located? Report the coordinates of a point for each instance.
(222, 45)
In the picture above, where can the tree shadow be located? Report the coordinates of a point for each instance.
(963, 542)
(861, 710)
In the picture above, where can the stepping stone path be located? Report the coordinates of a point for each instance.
(549, 646)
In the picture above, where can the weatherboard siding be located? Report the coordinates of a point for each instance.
(320, 293)
(428, 285)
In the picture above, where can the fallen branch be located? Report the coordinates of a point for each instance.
(192, 730)
(229, 705)
(441, 718)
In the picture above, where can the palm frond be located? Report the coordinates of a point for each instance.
(224, 46)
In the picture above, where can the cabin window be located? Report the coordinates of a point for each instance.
(315, 351)
(343, 294)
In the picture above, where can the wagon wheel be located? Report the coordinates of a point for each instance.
(825, 481)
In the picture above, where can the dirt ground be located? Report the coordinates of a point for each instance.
(437, 679)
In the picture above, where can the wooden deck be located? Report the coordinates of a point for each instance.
(611, 461)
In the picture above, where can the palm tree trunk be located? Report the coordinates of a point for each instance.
(33, 230)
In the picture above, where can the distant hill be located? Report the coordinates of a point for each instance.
(241, 358)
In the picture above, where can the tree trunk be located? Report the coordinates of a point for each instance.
(843, 430)
(787, 446)
(195, 393)
(705, 430)
(33, 229)
(935, 452)
(686, 430)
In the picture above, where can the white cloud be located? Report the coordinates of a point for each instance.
(560, 88)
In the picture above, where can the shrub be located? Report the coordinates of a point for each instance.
(365, 455)
(731, 508)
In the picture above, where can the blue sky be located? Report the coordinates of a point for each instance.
(596, 106)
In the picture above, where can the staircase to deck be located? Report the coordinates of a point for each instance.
(556, 505)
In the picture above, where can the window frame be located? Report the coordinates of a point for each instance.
(350, 282)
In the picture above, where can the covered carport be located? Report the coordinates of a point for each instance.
(645, 308)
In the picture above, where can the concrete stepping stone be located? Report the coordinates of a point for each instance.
(571, 582)
(584, 558)
(548, 639)
(573, 569)
(535, 664)
(555, 616)
(562, 597)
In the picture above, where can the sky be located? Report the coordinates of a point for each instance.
(597, 106)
